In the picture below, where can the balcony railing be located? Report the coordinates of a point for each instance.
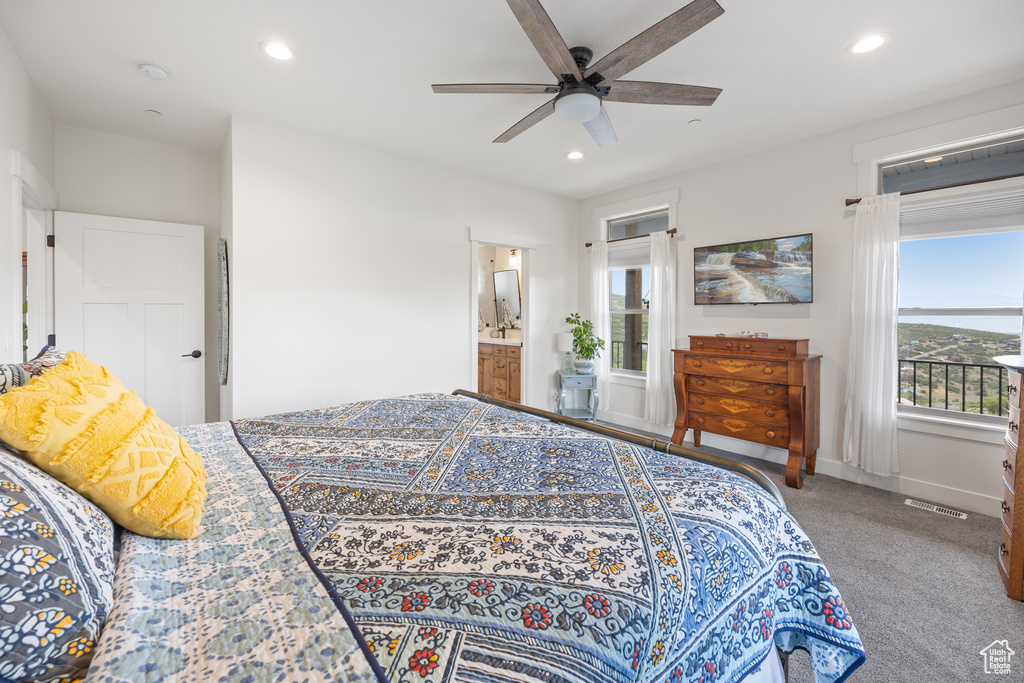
(618, 349)
(963, 387)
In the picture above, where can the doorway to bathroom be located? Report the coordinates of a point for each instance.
(499, 338)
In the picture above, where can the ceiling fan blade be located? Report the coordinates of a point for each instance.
(655, 40)
(496, 88)
(534, 117)
(646, 92)
(545, 38)
(600, 128)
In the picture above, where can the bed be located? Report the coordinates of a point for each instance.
(442, 538)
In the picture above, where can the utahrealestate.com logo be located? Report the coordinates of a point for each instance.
(997, 657)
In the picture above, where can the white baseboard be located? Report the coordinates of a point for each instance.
(961, 499)
(924, 490)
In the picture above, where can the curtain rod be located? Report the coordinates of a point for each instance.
(851, 202)
(671, 233)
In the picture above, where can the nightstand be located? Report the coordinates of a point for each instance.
(573, 382)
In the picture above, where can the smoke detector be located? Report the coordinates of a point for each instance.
(157, 73)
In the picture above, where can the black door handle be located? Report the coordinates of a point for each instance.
(195, 354)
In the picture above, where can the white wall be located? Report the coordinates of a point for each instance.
(353, 273)
(113, 175)
(792, 190)
(25, 127)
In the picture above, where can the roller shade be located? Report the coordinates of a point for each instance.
(996, 211)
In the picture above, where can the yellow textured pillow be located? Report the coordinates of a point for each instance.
(80, 424)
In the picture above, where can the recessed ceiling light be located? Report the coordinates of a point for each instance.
(157, 73)
(932, 159)
(869, 43)
(574, 155)
(277, 50)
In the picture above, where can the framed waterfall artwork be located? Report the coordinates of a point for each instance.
(223, 312)
(778, 270)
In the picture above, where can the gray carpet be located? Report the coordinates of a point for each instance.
(923, 588)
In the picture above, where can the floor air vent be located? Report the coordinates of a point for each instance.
(936, 508)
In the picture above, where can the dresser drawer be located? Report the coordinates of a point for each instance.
(773, 372)
(768, 434)
(579, 382)
(773, 347)
(737, 387)
(491, 349)
(1007, 507)
(1010, 467)
(739, 407)
(1013, 426)
(1004, 555)
(514, 352)
(1013, 388)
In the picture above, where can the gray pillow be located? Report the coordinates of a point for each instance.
(56, 560)
(18, 374)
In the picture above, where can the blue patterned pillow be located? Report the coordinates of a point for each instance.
(57, 568)
(14, 375)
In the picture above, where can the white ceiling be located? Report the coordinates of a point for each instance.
(363, 72)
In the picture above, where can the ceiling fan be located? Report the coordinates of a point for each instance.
(581, 88)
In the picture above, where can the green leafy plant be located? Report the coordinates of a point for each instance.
(585, 344)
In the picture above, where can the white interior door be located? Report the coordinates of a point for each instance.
(34, 243)
(129, 294)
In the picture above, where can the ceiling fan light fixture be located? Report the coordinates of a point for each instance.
(577, 106)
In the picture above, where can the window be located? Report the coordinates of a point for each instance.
(972, 164)
(630, 286)
(960, 301)
(630, 290)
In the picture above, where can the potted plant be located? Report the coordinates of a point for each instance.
(586, 346)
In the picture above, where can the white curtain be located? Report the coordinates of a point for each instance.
(871, 392)
(660, 407)
(599, 313)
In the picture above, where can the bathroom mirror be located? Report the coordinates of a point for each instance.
(506, 295)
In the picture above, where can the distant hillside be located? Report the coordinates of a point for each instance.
(908, 331)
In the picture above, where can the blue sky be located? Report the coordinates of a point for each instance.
(976, 270)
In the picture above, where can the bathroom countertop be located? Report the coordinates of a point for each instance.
(510, 340)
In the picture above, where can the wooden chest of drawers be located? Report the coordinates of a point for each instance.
(761, 390)
(499, 371)
(1011, 544)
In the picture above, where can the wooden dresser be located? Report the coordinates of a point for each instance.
(499, 370)
(761, 390)
(1011, 545)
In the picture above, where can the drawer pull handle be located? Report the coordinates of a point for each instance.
(770, 392)
(770, 435)
(700, 401)
(1014, 426)
(1003, 550)
(767, 371)
(700, 383)
(728, 345)
(770, 413)
(1007, 465)
(782, 347)
(746, 346)
(700, 420)
(700, 343)
(1011, 390)
(696, 363)
(1006, 508)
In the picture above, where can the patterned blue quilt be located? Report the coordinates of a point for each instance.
(473, 543)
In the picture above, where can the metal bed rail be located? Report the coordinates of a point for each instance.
(741, 468)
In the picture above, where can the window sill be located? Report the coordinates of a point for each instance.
(979, 428)
(627, 378)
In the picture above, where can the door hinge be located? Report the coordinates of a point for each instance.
(51, 340)
(49, 240)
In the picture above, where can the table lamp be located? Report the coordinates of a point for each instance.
(565, 346)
